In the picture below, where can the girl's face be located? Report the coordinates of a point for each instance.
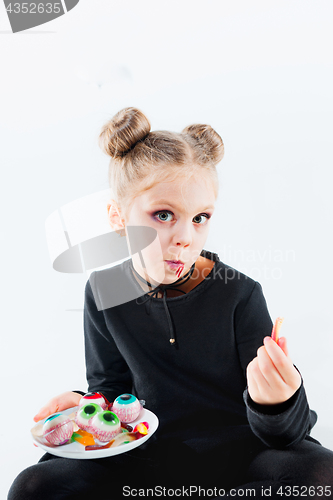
(179, 211)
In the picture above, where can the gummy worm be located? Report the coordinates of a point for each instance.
(276, 329)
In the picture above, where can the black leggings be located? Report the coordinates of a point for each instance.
(304, 470)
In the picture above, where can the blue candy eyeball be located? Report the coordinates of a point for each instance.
(125, 399)
(127, 407)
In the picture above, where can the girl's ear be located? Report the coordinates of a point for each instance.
(115, 220)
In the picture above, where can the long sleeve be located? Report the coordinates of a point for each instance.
(281, 425)
(106, 370)
(285, 424)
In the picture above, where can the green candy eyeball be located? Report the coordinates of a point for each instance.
(105, 426)
(107, 418)
(85, 414)
(89, 410)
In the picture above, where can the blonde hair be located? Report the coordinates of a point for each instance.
(141, 158)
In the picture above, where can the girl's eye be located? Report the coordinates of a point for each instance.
(165, 213)
(203, 215)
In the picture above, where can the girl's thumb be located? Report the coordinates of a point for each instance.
(38, 417)
(45, 412)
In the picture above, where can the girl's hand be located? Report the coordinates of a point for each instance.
(65, 400)
(271, 375)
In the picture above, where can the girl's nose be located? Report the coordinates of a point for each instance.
(182, 235)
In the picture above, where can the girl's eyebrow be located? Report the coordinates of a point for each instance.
(160, 202)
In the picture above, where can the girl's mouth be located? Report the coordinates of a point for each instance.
(176, 266)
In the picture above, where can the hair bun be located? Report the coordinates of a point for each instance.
(120, 134)
(208, 140)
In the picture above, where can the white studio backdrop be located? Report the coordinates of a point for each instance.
(261, 74)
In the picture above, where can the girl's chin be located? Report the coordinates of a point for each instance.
(172, 273)
(175, 269)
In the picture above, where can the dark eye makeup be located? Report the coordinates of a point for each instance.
(155, 215)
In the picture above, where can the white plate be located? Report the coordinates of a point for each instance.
(77, 450)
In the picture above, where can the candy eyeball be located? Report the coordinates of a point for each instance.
(85, 414)
(58, 429)
(105, 426)
(94, 397)
(127, 407)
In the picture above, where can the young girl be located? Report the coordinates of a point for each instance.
(191, 338)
